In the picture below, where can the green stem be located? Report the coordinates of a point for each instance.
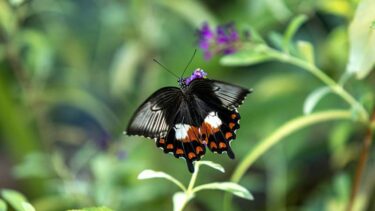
(190, 190)
(193, 177)
(283, 131)
(335, 87)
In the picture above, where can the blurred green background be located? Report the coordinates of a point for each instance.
(72, 72)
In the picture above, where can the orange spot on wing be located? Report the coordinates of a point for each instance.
(193, 134)
(206, 130)
(228, 135)
(222, 145)
(161, 141)
(213, 145)
(170, 146)
(191, 155)
(233, 116)
(179, 152)
(198, 149)
(231, 125)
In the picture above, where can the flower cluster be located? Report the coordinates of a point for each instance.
(198, 73)
(224, 40)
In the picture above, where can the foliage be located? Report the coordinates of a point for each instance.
(180, 199)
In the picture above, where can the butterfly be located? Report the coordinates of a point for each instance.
(185, 120)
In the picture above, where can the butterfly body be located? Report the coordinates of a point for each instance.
(185, 120)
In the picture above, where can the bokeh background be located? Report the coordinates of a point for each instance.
(72, 72)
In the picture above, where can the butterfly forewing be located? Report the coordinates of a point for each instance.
(154, 116)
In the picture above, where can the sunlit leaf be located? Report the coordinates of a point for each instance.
(179, 200)
(212, 165)
(150, 174)
(3, 205)
(306, 50)
(313, 99)
(27, 206)
(252, 56)
(362, 40)
(293, 27)
(231, 187)
(336, 7)
(14, 198)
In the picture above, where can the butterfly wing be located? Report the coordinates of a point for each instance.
(220, 101)
(220, 93)
(154, 117)
(207, 116)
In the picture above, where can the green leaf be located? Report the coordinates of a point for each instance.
(362, 40)
(179, 200)
(276, 39)
(291, 30)
(212, 165)
(14, 198)
(336, 7)
(124, 68)
(8, 20)
(255, 55)
(313, 99)
(93, 209)
(3, 206)
(27, 206)
(150, 174)
(306, 50)
(231, 187)
(192, 10)
(254, 35)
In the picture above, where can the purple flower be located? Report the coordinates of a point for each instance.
(224, 41)
(197, 74)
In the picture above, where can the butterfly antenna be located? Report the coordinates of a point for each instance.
(191, 59)
(166, 68)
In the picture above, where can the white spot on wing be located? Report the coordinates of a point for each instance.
(213, 119)
(181, 131)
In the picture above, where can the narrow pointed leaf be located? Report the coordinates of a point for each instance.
(293, 27)
(251, 56)
(306, 50)
(231, 187)
(212, 165)
(150, 174)
(14, 198)
(313, 99)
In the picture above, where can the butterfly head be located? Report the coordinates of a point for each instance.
(197, 74)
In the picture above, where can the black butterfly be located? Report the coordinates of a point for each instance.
(184, 120)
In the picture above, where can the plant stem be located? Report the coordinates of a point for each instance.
(335, 87)
(190, 190)
(283, 131)
(367, 141)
